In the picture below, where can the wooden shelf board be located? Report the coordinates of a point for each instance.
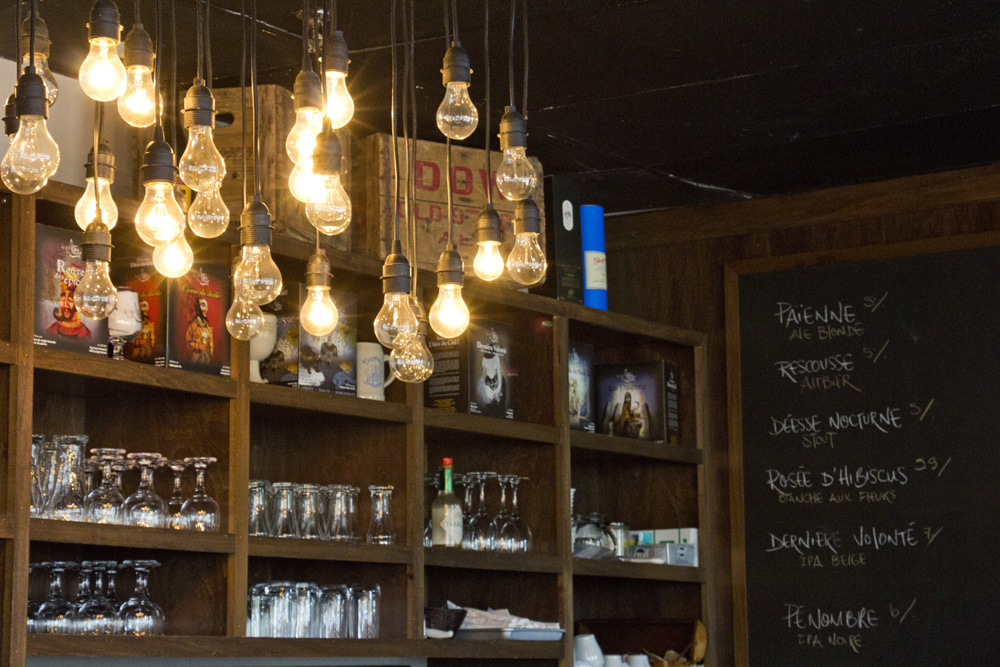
(92, 366)
(317, 401)
(8, 353)
(74, 532)
(585, 567)
(276, 547)
(504, 428)
(249, 647)
(615, 446)
(478, 560)
(628, 324)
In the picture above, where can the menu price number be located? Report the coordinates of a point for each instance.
(920, 411)
(873, 303)
(900, 614)
(873, 354)
(931, 464)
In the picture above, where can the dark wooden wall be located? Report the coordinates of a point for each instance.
(668, 266)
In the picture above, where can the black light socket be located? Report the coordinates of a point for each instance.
(328, 154)
(105, 21)
(308, 91)
(10, 120)
(318, 270)
(104, 167)
(255, 224)
(457, 65)
(96, 246)
(138, 48)
(450, 268)
(30, 94)
(335, 54)
(396, 271)
(199, 106)
(526, 217)
(42, 41)
(158, 160)
(489, 229)
(513, 130)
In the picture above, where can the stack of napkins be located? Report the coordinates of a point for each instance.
(492, 619)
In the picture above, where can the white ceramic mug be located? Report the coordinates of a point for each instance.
(586, 648)
(612, 661)
(373, 377)
(637, 660)
(262, 345)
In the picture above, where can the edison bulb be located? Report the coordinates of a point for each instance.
(257, 278)
(208, 216)
(159, 220)
(489, 262)
(339, 105)
(457, 116)
(411, 360)
(244, 319)
(303, 183)
(95, 296)
(319, 314)
(202, 167)
(301, 140)
(395, 317)
(174, 259)
(102, 74)
(330, 212)
(449, 315)
(526, 262)
(516, 178)
(17, 183)
(34, 154)
(86, 208)
(137, 105)
(42, 69)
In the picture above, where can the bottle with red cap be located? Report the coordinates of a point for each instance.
(446, 512)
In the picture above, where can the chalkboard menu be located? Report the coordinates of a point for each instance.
(867, 428)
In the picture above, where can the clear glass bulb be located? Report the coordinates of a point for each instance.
(42, 69)
(411, 360)
(137, 105)
(339, 105)
(34, 154)
(449, 315)
(102, 74)
(395, 317)
(174, 259)
(319, 315)
(330, 213)
(202, 167)
(159, 220)
(95, 296)
(302, 139)
(516, 178)
(208, 216)
(526, 262)
(489, 262)
(303, 183)
(86, 208)
(244, 319)
(457, 117)
(257, 278)
(17, 183)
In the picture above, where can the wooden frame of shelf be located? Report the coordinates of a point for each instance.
(402, 429)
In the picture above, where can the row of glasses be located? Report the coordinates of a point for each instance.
(506, 531)
(305, 610)
(316, 512)
(96, 609)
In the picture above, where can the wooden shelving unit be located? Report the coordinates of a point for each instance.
(286, 434)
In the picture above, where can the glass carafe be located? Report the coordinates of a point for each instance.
(380, 522)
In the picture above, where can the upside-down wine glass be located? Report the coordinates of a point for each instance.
(104, 504)
(144, 508)
(520, 532)
(501, 539)
(175, 519)
(51, 617)
(480, 538)
(200, 511)
(140, 616)
(97, 617)
(83, 593)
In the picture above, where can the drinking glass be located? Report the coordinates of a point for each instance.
(45, 454)
(366, 603)
(306, 602)
(200, 511)
(480, 538)
(341, 520)
(333, 608)
(51, 617)
(67, 501)
(519, 531)
(258, 507)
(282, 518)
(430, 482)
(90, 469)
(97, 616)
(259, 612)
(380, 524)
(111, 591)
(140, 616)
(104, 504)
(34, 568)
(282, 595)
(83, 594)
(175, 519)
(496, 526)
(309, 510)
(144, 508)
(124, 321)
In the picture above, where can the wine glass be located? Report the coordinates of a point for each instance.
(500, 539)
(82, 596)
(516, 526)
(124, 322)
(140, 616)
(51, 617)
(430, 482)
(175, 519)
(144, 508)
(97, 616)
(104, 504)
(200, 511)
(480, 538)
(468, 483)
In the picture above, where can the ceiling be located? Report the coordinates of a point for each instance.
(666, 103)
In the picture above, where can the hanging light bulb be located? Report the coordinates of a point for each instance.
(256, 278)
(33, 153)
(95, 297)
(14, 181)
(411, 360)
(208, 216)
(137, 105)
(174, 259)
(330, 210)
(449, 315)
(102, 74)
(526, 262)
(339, 105)
(396, 315)
(244, 319)
(488, 263)
(201, 166)
(41, 55)
(516, 178)
(319, 314)
(303, 184)
(308, 102)
(457, 116)
(102, 173)
(159, 219)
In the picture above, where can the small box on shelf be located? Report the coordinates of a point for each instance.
(581, 387)
(634, 400)
(197, 339)
(473, 371)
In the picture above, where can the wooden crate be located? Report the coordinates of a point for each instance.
(277, 116)
(468, 197)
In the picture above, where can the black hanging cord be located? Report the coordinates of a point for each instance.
(406, 117)
(324, 23)
(135, 8)
(243, 95)
(157, 102)
(200, 29)
(208, 42)
(510, 52)
(454, 20)
(253, 91)
(17, 40)
(395, 156)
(333, 17)
(98, 119)
(447, 25)
(412, 168)
(306, 61)
(173, 75)
(31, 37)
(524, 91)
(451, 224)
(486, 64)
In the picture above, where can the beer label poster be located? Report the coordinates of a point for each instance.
(198, 326)
(631, 400)
(490, 362)
(329, 362)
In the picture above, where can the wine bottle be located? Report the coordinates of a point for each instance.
(446, 512)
